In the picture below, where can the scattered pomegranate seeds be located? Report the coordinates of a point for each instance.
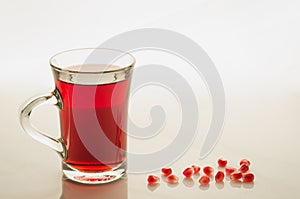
(208, 170)
(230, 170)
(196, 169)
(219, 176)
(188, 172)
(236, 175)
(248, 177)
(204, 180)
(172, 179)
(152, 180)
(222, 162)
(166, 171)
(244, 168)
(245, 161)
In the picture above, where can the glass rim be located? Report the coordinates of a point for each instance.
(60, 69)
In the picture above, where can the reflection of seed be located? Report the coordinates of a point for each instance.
(204, 180)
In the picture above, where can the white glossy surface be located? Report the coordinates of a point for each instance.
(254, 44)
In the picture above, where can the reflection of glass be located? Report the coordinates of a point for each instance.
(114, 190)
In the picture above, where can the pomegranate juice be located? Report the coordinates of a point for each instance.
(93, 124)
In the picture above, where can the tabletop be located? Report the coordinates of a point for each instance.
(254, 46)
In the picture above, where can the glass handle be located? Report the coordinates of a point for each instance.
(54, 99)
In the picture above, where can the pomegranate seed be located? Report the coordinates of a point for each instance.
(236, 176)
(230, 170)
(208, 170)
(245, 161)
(219, 176)
(244, 168)
(222, 162)
(172, 179)
(153, 179)
(188, 172)
(204, 180)
(196, 169)
(248, 177)
(166, 171)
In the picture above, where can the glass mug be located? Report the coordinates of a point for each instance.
(91, 92)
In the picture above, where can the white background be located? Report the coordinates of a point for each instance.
(254, 44)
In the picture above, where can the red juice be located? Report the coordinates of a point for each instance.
(93, 124)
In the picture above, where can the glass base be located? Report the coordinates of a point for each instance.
(92, 178)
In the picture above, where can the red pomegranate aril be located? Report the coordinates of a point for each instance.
(244, 168)
(172, 179)
(166, 171)
(209, 171)
(219, 176)
(152, 180)
(188, 172)
(245, 161)
(248, 177)
(196, 169)
(204, 180)
(230, 170)
(222, 162)
(236, 175)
